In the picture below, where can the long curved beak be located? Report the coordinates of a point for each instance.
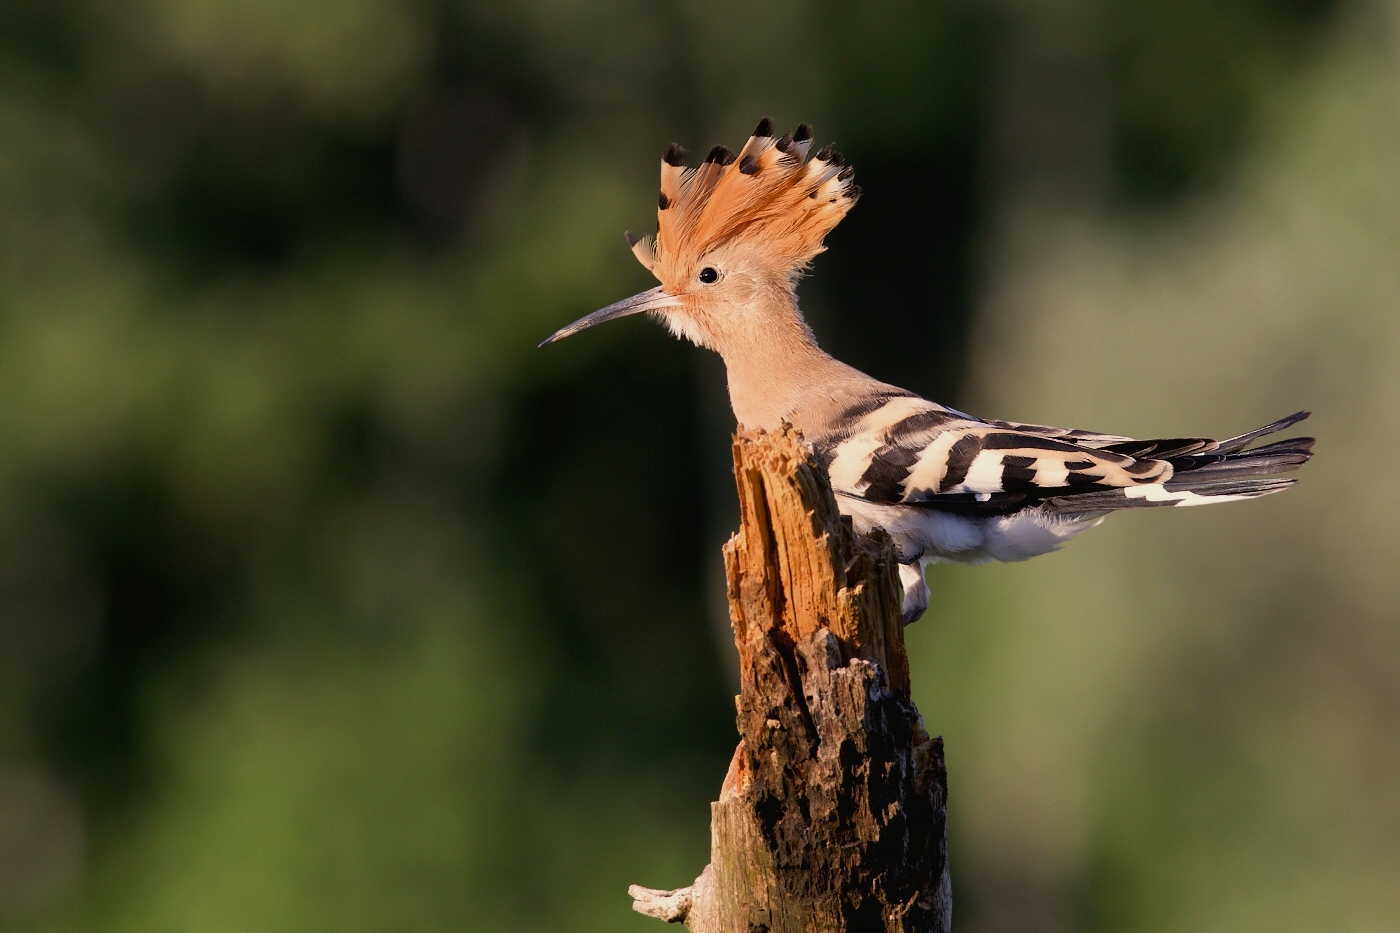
(653, 299)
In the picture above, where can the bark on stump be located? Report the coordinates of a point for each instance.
(832, 816)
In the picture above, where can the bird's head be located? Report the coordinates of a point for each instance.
(734, 234)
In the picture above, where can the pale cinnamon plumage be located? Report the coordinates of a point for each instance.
(734, 235)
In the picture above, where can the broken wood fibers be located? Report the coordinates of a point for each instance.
(832, 816)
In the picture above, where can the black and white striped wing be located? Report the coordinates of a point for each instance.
(911, 451)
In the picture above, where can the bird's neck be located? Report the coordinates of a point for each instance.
(774, 364)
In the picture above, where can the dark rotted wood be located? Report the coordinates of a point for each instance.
(833, 814)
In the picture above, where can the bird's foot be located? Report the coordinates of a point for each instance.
(915, 590)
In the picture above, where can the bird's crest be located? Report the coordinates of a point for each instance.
(769, 196)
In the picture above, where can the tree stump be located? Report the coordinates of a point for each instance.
(832, 816)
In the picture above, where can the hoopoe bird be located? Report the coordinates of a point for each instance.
(734, 235)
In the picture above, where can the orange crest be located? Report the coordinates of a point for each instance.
(769, 199)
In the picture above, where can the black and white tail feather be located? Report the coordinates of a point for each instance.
(1214, 471)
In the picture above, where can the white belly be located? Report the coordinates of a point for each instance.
(929, 535)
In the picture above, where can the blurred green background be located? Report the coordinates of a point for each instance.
(329, 603)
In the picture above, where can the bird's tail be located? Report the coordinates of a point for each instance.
(1223, 471)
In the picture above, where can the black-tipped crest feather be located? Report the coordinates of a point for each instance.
(720, 155)
(766, 199)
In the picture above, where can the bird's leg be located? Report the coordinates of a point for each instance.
(915, 590)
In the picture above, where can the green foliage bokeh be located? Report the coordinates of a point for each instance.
(329, 602)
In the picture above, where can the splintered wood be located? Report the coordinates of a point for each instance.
(832, 817)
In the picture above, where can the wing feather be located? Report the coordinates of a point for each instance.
(906, 450)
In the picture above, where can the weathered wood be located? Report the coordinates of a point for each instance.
(832, 816)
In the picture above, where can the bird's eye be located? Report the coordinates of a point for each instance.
(708, 275)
